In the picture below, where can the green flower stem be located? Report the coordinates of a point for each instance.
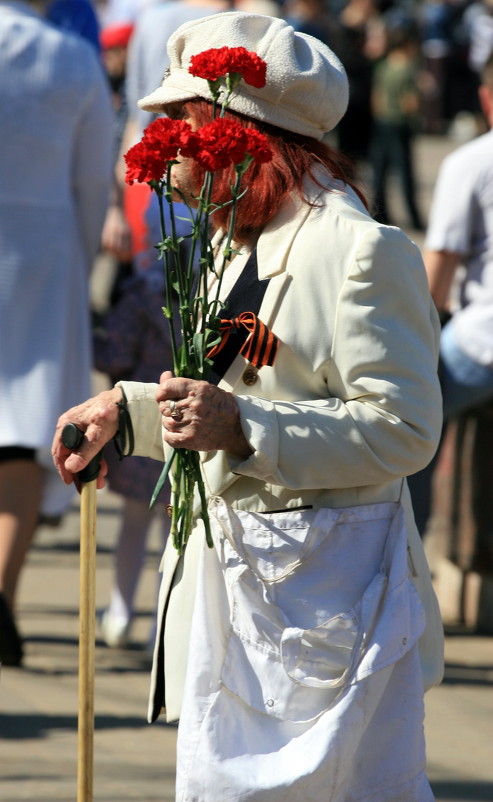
(169, 289)
(177, 272)
(163, 476)
(204, 249)
(198, 321)
(186, 476)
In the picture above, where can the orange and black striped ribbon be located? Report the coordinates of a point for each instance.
(260, 347)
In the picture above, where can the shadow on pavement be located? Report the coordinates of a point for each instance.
(463, 791)
(460, 674)
(20, 726)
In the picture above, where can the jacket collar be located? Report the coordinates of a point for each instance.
(275, 241)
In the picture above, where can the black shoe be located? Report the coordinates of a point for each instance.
(11, 651)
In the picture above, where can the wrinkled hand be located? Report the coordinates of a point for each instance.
(98, 419)
(205, 418)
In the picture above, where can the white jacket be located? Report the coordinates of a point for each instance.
(351, 405)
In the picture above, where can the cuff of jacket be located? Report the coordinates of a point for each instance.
(146, 418)
(260, 427)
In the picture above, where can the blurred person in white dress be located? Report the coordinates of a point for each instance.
(55, 172)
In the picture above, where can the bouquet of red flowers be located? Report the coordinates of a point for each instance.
(219, 144)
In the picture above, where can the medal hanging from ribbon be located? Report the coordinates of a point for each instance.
(261, 345)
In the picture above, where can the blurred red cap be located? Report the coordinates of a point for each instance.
(116, 35)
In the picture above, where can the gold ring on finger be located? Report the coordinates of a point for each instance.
(174, 411)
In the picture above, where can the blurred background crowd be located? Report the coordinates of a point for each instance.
(71, 72)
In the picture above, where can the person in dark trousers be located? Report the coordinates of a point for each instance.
(395, 107)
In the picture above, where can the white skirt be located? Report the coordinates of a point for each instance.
(304, 681)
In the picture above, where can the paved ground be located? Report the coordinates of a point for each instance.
(38, 704)
(135, 761)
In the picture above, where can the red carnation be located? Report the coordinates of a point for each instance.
(162, 142)
(258, 146)
(170, 137)
(220, 61)
(221, 143)
(142, 165)
(252, 68)
(208, 64)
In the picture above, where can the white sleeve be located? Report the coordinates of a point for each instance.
(450, 221)
(135, 80)
(382, 415)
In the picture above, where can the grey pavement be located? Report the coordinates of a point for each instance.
(38, 703)
(136, 761)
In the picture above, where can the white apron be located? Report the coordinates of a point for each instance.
(304, 680)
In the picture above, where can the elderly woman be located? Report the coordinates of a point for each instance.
(295, 652)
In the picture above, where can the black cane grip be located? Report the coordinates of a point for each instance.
(72, 437)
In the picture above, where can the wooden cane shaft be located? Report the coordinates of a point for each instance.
(86, 641)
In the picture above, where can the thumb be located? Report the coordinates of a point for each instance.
(84, 451)
(167, 374)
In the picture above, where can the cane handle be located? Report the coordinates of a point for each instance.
(72, 437)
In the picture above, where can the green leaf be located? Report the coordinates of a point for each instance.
(198, 344)
(211, 341)
(162, 479)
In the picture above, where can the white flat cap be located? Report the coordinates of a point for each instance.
(306, 88)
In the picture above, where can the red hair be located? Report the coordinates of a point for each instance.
(294, 156)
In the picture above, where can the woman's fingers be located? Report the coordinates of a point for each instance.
(97, 419)
(200, 416)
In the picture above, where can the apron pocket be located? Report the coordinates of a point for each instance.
(281, 670)
(258, 677)
(298, 643)
(320, 657)
(273, 544)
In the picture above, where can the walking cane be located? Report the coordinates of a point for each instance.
(72, 437)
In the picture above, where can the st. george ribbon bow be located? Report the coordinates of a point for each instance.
(260, 346)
